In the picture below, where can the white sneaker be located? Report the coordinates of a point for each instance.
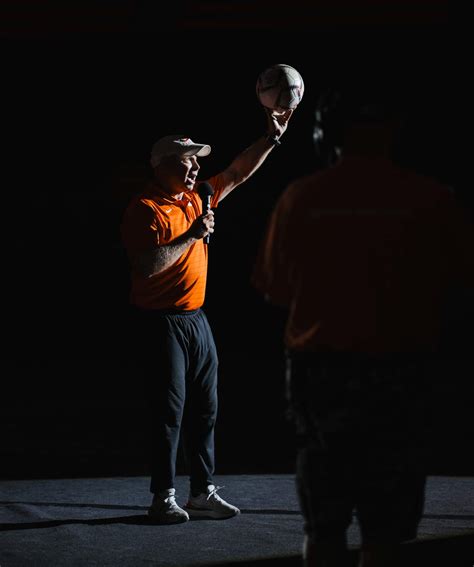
(164, 509)
(211, 505)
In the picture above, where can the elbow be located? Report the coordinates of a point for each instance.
(143, 268)
(143, 272)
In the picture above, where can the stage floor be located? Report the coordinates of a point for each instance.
(102, 522)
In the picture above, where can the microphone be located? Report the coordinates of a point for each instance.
(206, 191)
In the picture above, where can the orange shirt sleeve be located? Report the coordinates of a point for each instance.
(217, 183)
(140, 227)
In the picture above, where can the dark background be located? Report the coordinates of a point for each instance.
(85, 92)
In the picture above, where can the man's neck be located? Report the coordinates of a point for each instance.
(373, 140)
(163, 190)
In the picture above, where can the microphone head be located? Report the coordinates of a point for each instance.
(205, 190)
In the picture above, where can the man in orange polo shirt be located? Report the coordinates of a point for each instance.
(164, 231)
(361, 255)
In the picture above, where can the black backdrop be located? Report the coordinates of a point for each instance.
(80, 114)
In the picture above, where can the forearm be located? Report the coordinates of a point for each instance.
(246, 164)
(248, 161)
(162, 257)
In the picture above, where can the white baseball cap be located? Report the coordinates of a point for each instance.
(177, 144)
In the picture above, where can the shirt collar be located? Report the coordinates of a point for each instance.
(162, 198)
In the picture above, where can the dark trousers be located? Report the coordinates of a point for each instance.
(181, 381)
(360, 424)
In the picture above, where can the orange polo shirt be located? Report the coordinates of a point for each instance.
(362, 255)
(153, 219)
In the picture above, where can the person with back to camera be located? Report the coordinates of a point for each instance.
(361, 255)
(164, 232)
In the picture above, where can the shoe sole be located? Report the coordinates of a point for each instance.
(166, 521)
(210, 514)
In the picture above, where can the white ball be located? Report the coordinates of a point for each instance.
(280, 87)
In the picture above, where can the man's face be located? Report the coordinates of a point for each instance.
(178, 173)
(190, 168)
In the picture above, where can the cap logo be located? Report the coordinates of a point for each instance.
(185, 141)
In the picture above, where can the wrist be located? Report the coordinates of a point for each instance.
(189, 237)
(273, 139)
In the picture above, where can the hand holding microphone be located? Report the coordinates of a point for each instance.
(206, 191)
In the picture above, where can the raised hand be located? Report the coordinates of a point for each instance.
(277, 121)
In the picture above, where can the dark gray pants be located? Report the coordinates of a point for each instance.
(181, 380)
(360, 424)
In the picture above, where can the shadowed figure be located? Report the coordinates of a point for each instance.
(361, 255)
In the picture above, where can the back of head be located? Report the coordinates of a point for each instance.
(355, 118)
